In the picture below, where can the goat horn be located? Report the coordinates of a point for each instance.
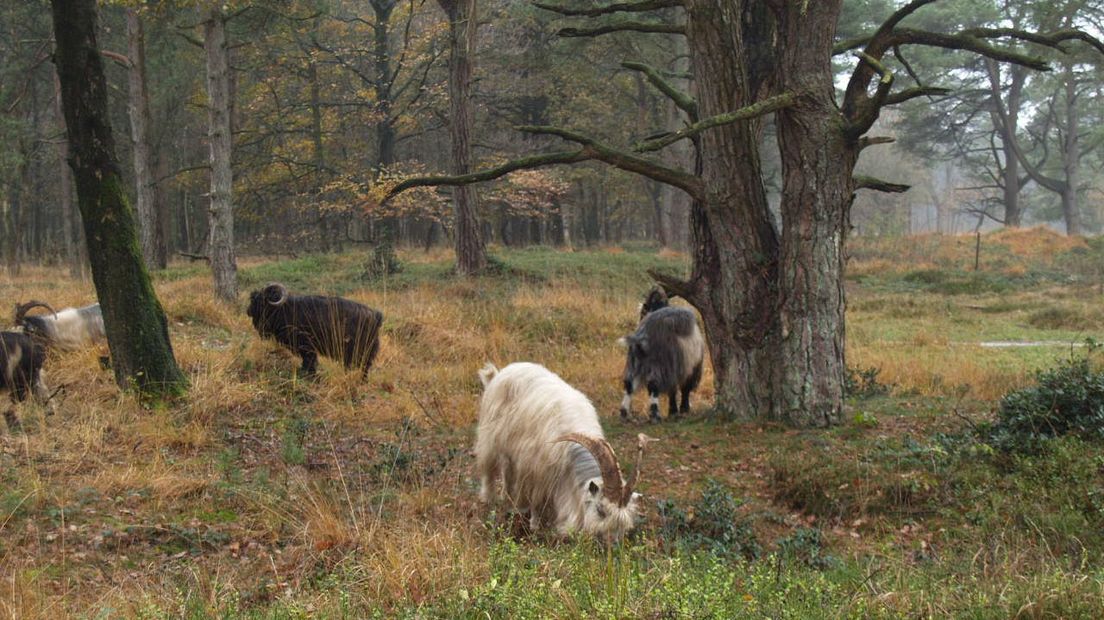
(612, 481)
(283, 292)
(21, 310)
(641, 441)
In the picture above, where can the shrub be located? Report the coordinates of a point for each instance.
(806, 546)
(714, 524)
(863, 383)
(1068, 399)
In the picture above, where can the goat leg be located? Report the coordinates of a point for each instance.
(11, 419)
(653, 402)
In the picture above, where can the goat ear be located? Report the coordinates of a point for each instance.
(593, 488)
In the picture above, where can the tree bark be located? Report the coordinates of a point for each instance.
(733, 237)
(1071, 155)
(137, 332)
(150, 232)
(471, 255)
(65, 189)
(817, 191)
(220, 244)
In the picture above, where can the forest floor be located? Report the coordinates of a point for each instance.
(262, 495)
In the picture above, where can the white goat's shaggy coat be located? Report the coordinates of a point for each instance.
(70, 330)
(524, 410)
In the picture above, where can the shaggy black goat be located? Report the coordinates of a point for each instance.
(665, 354)
(311, 325)
(21, 360)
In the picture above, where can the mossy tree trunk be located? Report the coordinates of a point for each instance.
(137, 332)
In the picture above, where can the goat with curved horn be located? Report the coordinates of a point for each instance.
(313, 325)
(612, 480)
(21, 310)
(543, 438)
(278, 288)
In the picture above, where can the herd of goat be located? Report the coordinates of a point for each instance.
(536, 432)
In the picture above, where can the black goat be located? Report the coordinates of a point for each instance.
(665, 354)
(21, 360)
(311, 325)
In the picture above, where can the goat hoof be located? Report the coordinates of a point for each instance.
(655, 419)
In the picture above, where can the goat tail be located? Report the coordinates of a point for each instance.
(487, 373)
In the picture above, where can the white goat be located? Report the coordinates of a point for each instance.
(68, 330)
(543, 437)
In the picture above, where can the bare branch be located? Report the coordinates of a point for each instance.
(684, 101)
(872, 140)
(755, 110)
(624, 26)
(852, 44)
(862, 111)
(121, 59)
(592, 150)
(621, 7)
(1049, 39)
(878, 185)
(912, 93)
(525, 163)
(962, 41)
(685, 181)
(672, 285)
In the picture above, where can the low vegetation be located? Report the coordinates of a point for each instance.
(261, 495)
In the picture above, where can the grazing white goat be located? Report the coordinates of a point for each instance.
(543, 437)
(68, 330)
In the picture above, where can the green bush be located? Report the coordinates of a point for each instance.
(1068, 400)
(863, 382)
(714, 526)
(806, 546)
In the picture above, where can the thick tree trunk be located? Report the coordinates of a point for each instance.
(817, 191)
(733, 238)
(153, 243)
(471, 255)
(137, 332)
(220, 244)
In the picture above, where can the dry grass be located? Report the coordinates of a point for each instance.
(258, 484)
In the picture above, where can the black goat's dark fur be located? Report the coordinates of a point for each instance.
(313, 325)
(656, 299)
(21, 361)
(665, 355)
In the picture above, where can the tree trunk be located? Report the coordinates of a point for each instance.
(733, 238)
(1071, 156)
(137, 332)
(1007, 128)
(65, 189)
(817, 191)
(153, 244)
(471, 255)
(220, 244)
